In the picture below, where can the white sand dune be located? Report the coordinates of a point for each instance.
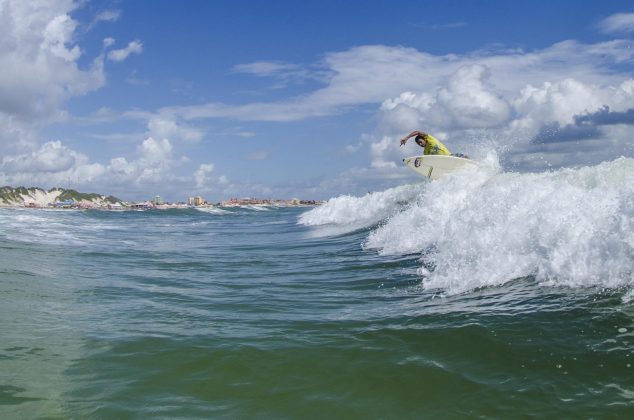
(38, 197)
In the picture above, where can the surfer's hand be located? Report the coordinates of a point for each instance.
(403, 141)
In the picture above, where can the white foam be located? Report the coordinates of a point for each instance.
(212, 210)
(257, 207)
(572, 227)
(347, 213)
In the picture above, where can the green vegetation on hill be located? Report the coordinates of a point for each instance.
(112, 199)
(77, 196)
(11, 195)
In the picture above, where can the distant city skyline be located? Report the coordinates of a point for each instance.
(303, 99)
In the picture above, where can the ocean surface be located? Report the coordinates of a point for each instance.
(484, 294)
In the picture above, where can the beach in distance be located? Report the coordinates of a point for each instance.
(60, 198)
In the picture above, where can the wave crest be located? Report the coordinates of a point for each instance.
(571, 227)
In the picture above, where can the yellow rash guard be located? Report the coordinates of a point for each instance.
(435, 147)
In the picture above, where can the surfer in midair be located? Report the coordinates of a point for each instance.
(430, 144)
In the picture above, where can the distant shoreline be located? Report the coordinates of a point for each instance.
(160, 207)
(60, 198)
(145, 206)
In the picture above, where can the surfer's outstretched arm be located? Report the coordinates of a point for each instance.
(412, 134)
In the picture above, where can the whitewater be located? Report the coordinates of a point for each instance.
(484, 227)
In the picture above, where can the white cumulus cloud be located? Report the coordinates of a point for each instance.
(160, 127)
(469, 101)
(155, 151)
(52, 164)
(373, 73)
(559, 101)
(202, 174)
(40, 71)
(50, 157)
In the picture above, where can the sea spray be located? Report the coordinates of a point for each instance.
(571, 227)
(347, 213)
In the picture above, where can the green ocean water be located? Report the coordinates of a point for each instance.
(247, 313)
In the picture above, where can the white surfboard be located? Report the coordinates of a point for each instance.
(436, 166)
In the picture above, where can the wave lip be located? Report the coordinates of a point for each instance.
(346, 213)
(365, 211)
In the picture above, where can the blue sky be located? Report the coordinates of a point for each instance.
(303, 99)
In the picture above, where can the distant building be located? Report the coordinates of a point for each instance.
(141, 206)
(66, 204)
(158, 200)
(195, 201)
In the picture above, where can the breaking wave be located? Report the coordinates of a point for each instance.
(571, 227)
(346, 213)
